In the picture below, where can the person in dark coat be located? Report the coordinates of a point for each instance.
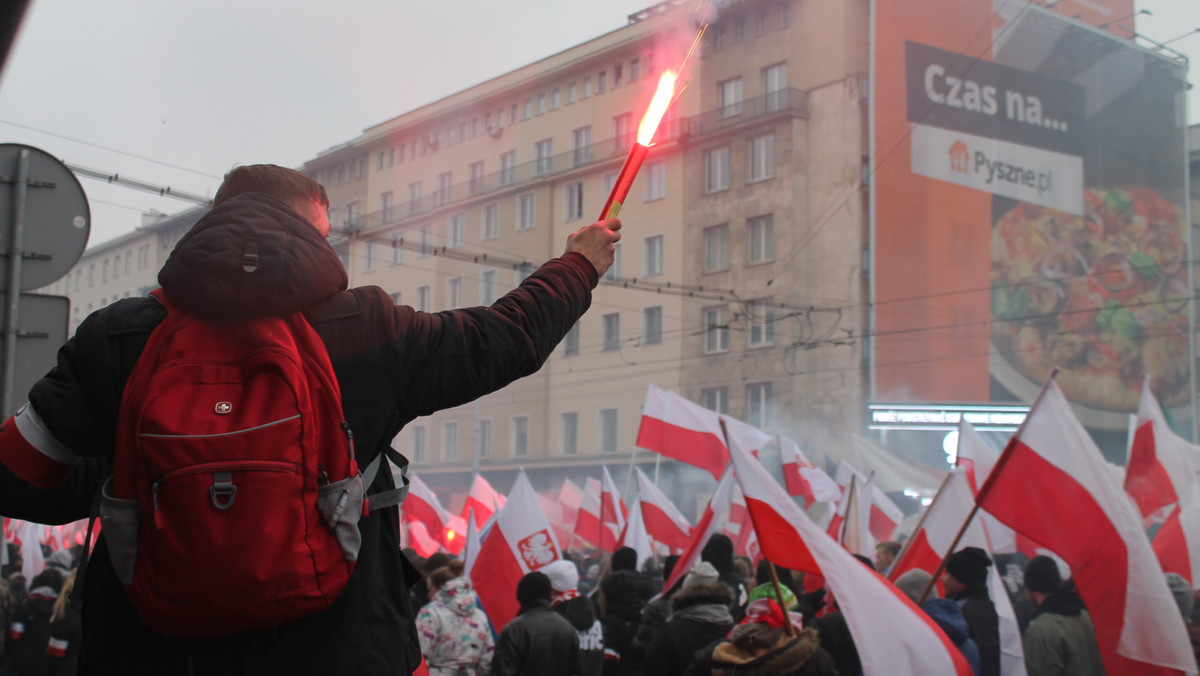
(261, 251)
(1060, 640)
(538, 641)
(761, 646)
(578, 610)
(965, 582)
(699, 616)
(29, 629)
(719, 552)
(66, 632)
(654, 615)
(622, 597)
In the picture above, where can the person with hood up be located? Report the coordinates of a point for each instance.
(760, 646)
(719, 552)
(699, 616)
(965, 582)
(622, 598)
(538, 641)
(1060, 639)
(945, 612)
(578, 610)
(455, 637)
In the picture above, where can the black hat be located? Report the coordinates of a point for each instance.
(969, 566)
(1041, 575)
(532, 588)
(625, 558)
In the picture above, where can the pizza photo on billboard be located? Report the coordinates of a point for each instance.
(1103, 296)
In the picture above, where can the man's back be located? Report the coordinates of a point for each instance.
(1061, 640)
(538, 642)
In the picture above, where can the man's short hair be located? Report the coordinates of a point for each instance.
(890, 546)
(532, 588)
(284, 184)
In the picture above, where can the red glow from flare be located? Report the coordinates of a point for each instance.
(658, 108)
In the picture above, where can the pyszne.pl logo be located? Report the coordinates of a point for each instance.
(978, 164)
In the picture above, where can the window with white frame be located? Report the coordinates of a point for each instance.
(491, 221)
(458, 230)
(617, 73)
(581, 146)
(569, 424)
(760, 244)
(571, 341)
(543, 152)
(522, 272)
(541, 103)
(475, 177)
(369, 252)
(622, 131)
(716, 169)
(525, 214)
(716, 329)
(396, 298)
(527, 110)
(450, 442)
(601, 82)
(608, 430)
(487, 287)
(762, 157)
(555, 98)
(715, 399)
(445, 183)
(508, 167)
(652, 325)
(425, 235)
(573, 201)
(652, 255)
(609, 180)
(520, 435)
(774, 84)
(716, 248)
(761, 319)
(418, 443)
(397, 250)
(571, 92)
(758, 405)
(761, 20)
(484, 440)
(633, 70)
(730, 92)
(654, 177)
(586, 87)
(385, 206)
(454, 292)
(352, 215)
(614, 271)
(784, 18)
(424, 294)
(414, 197)
(610, 331)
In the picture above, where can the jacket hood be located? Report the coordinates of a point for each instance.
(704, 592)
(252, 256)
(578, 611)
(457, 596)
(949, 617)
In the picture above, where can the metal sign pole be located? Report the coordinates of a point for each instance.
(21, 187)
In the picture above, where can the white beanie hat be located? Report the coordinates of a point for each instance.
(564, 576)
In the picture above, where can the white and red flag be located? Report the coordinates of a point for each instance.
(892, 635)
(613, 512)
(856, 529)
(661, 518)
(804, 479)
(977, 459)
(885, 515)
(738, 526)
(636, 537)
(705, 527)
(677, 428)
(1177, 543)
(482, 499)
(1052, 484)
(423, 505)
(587, 520)
(570, 497)
(1162, 466)
(519, 541)
(552, 508)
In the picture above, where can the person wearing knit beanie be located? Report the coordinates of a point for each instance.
(965, 582)
(969, 566)
(1041, 575)
(1061, 632)
(578, 610)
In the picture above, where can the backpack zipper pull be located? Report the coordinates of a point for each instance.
(350, 437)
(158, 520)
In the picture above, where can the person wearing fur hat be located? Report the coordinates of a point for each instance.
(578, 610)
(761, 646)
(1061, 639)
(965, 582)
(699, 616)
(538, 641)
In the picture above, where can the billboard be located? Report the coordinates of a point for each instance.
(1029, 210)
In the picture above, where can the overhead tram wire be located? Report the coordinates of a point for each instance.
(117, 179)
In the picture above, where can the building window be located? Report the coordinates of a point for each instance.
(369, 256)
(414, 197)
(608, 430)
(396, 298)
(104, 272)
(520, 435)
(521, 273)
(581, 146)
(397, 250)
(571, 341)
(716, 248)
(761, 20)
(716, 329)
(601, 82)
(512, 114)
(426, 234)
(445, 181)
(544, 153)
(491, 221)
(128, 263)
(762, 157)
(487, 287)
(525, 211)
(652, 250)
(527, 110)
(774, 84)
(622, 131)
(614, 270)
(616, 76)
(418, 443)
(739, 29)
(586, 88)
(484, 441)
(541, 103)
(573, 206)
(784, 19)
(718, 38)
(508, 167)
(423, 298)
(569, 423)
(475, 173)
(454, 292)
(352, 215)
(715, 399)
(760, 232)
(652, 325)
(761, 318)
(571, 92)
(731, 97)
(458, 230)
(633, 70)
(655, 181)
(385, 206)
(610, 180)
(758, 405)
(450, 442)
(610, 331)
(716, 170)
(555, 98)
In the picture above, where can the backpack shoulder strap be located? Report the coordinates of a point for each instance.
(394, 496)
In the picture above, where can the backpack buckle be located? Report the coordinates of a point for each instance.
(223, 491)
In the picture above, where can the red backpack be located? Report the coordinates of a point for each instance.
(235, 496)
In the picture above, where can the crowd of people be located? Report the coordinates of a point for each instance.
(42, 626)
(599, 615)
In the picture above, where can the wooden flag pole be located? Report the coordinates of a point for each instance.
(787, 619)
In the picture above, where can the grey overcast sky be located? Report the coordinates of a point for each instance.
(202, 86)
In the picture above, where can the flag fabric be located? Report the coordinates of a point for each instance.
(1052, 485)
(892, 635)
(553, 510)
(885, 515)
(856, 531)
(1161, 465)
(417, 536)
(660, 517)
(679, 429)
(570, 497)
(519, 541)
(803, 478)
(977, 459)
(482, 499)
(423, 505)
(587, 520)
(739, 527)
(32, 559)
(720, 501)
(613, 512)
(1177, 543)
(636, 537)
(471, 548)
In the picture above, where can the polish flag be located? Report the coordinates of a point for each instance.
(677, 428)
(661, 518)
(803, 478)
(636, 537)
(553, 511)
(520, 541)
(931, 543)
(570, 497)
(483, 500)
(1161, 466)
(417, 536)
(892, 635)
(856, 531)
(587, 522)
(885, 515)
(720, 501)
(1051, 484)
(977, 459)
(1177, 543)
(32, 559)
(471, 549)
(423, 505)
(613, 512)
(739, 527)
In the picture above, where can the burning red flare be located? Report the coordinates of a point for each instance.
(658, 108)
(637, 154)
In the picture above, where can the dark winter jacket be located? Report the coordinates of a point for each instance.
(981, 616)
(949, 617)
(66, 635)
(699, 616)
(29, 634)
(654, 618)
(623, 596)
(392, 363)
(836, 640)
(1061, 640)
(538, 642)
(579, 612)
